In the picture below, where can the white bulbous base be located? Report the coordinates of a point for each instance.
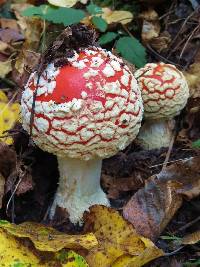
(79, 187)
(155, 134)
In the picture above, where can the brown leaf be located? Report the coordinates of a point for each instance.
(26, 184)
(9, 23)
(8, 159)
(191, 238)
(10, 35)
(152, 207)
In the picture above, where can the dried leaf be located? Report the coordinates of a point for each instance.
(63, 3)
(10, 35)
(152, 207)
(191, 239)
(17, 253)
(119, 244)
(117, 16)
(151, 25)
(48, 239)
(3, 46)
(9, 23)
(13, 252)
(5, 68)
(9, 114)
(193, 79)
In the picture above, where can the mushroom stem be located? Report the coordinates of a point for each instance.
(156, 134)
(79, 187)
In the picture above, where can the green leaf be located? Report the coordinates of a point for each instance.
(196, 144)
(64, 15)
(132, 50)
(36, 11)
(94, 9)
(107, 38)
(100, 23)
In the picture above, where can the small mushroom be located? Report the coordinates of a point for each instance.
(165, 93)
(85, 111)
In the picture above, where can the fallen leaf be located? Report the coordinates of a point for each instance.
(48, 239)
(12, 252)
(152, 207)
(10, 35)
(5, 68)
(3, 46)
(9, 23)
(26, 184)
(17, 253)
(3, 97)
(63, 3)
(116, 16)
(119, 244)
(151, 25)
(193, 79)
(9, 114)
(191, 239)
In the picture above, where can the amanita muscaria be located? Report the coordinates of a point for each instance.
(165, 93)
(85, 111)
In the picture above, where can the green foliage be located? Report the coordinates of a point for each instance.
(107, 38)
(64, 15)
(132, 50)
(20, 264)
(94, 9)
(193, 263)
(100, 23)
(196, 144)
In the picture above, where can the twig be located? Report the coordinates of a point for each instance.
(169, 151)
(161, 57)
(188, 224)
(185, 45)
(172, 161)
(12, 195)
(173, 252)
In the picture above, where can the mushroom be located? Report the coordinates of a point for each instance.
(85, 111)
(164, 92)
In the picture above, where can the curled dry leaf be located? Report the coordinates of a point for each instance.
(151, 25)
(116, 16)
(5, 68)
(48, 239)
(119, 244)
(152, 207)
(193, 79)
(191, 239)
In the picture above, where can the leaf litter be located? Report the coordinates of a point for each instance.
(30, 175)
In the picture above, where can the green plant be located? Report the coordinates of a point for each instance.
(127, 46)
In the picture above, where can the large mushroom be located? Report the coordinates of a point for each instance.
(164, 92)
(85, 111)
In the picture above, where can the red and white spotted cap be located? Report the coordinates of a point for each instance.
(89, 108)
(164, 90)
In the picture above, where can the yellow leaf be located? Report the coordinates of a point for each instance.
(63, 3)
(118, 16)
(5, 68)
(3, 97)
(9, 114)
(48, 239)
(13, 252)
(119, 244)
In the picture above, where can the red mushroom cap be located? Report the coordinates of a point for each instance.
(164, 90)
(88, 108)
